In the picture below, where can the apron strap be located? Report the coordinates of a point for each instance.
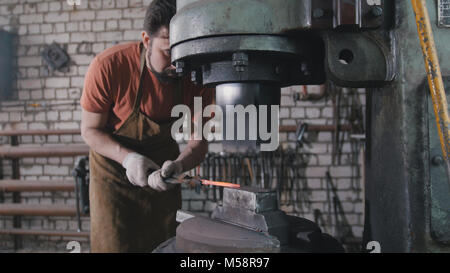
(178, 92)
(137, 101)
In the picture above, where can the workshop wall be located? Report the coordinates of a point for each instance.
(46, 99)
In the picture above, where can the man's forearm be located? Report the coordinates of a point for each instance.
(194, 154)
(104, 144)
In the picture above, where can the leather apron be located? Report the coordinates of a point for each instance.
(124, 217)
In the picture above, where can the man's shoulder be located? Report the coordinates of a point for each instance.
(121, 51)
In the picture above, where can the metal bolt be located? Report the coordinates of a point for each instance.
(277, 70)
(240, 61)
(437, 160)
(304, 69)
(240, 58)
(318, 13)
(196, 76)
(179, 67)
(376, 11)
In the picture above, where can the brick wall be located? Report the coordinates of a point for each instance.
(86, 31)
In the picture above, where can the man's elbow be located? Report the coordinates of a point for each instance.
(85, 134)
(91, 125)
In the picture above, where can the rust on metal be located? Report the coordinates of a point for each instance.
(434, 76)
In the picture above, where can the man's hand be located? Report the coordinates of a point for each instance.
(169, 169)
(137, 167)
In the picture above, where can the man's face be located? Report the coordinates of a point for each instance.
(158, 53)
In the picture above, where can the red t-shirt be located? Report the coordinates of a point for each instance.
(112, 82)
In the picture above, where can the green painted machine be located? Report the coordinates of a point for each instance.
(371, 44)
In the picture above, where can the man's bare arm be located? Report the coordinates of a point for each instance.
(194, 154)
(93, 132)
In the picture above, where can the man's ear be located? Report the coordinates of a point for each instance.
(145, 39)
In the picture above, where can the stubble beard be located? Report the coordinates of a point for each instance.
(167, 76)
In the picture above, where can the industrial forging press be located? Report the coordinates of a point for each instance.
(249, 49)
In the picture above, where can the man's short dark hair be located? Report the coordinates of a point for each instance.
(159, 13)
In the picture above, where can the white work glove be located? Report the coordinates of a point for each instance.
(137, 168)
(169, 169)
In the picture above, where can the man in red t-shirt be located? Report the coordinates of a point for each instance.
(128, 96)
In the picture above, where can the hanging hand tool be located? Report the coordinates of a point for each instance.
(271, 163)
(250, 170)
(222, 172)
(254, 169)
(206, 172)
(301, 130)
(434, 75)
(335, 153)
(280, 174)
(81, 176)
(213, 158)
(234, 174)
(343, 228)
(241, 167)
(262, 169)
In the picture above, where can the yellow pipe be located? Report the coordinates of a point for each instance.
(434, 75)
